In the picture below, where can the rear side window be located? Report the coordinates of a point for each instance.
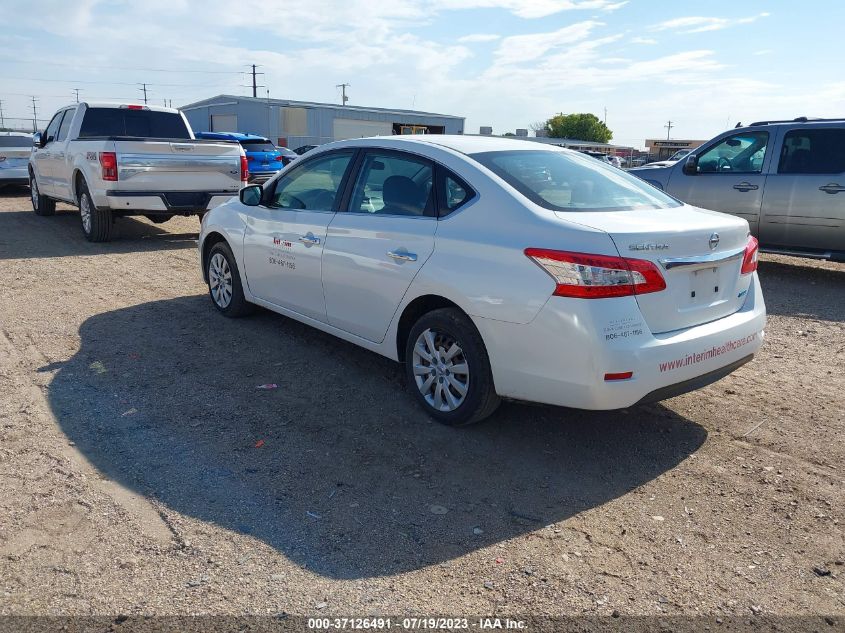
(819, 151)
(65, 125)
(452, 192)
(15, 141)
(134, 123)
(569, 181)
(258, 146)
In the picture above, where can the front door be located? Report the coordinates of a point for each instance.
(42, 158)
(284, 238)
(374, 250)
(730, 177)
(804, 205)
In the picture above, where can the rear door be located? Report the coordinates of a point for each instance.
(730, 177)
(375, 248)
(804, 202)
(284, 238)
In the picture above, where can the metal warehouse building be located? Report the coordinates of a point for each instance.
(296, 123)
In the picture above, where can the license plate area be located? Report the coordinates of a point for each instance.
(705, 287)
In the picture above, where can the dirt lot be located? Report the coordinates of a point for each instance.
(133, 478)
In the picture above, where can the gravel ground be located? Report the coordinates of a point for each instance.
(141, 472)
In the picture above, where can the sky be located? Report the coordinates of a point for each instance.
(504, 63)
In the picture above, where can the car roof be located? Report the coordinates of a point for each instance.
(233, 136)
(465, 144)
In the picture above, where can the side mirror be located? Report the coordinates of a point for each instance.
(691, 165)
(251, 195)
(37, 139)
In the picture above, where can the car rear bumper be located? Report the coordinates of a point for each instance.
(563, 355)
(165, 202)
(14, 175)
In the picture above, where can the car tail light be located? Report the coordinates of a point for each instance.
(749, 260)
(108, 161)
(244, 169)
(278, 157)
(587, 276)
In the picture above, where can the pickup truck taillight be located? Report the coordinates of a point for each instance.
(244, 169)
(108, 161)
(588, 276)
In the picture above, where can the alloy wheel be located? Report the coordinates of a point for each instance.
(441, 371)
(85, 213)
(220, 280)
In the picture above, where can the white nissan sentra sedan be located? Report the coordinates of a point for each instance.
(494, 268)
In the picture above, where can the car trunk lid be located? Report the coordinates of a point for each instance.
(698, 252)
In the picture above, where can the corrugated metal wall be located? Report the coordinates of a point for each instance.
(270, 120)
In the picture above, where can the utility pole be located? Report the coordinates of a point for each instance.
(34, 115)
(2, 120)
(343, 87)
(605, 115)
(76, 90)
(255, 85)
(143, 89)
(668, 127)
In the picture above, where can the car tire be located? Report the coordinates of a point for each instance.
(96, 223)
(42, 205)
(445, 356)
(224, 282)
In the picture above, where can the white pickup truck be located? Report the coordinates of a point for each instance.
(114, 160)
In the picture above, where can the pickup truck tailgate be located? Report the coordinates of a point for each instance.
(178, 165)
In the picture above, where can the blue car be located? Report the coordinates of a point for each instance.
(263, 158)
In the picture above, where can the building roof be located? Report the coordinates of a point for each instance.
(313, 104)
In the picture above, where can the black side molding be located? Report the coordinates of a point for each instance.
(693, 383)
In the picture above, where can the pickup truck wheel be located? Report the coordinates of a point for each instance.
(42, 205)
(448, 369)
(224, 282)
(96, 223)
(159, 219)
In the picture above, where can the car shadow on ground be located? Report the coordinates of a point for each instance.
(24, 235)
(336, 468)
(796, 289)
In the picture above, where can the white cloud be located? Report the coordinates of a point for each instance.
(479, 37)
(697, 24)
(521, 48)
(530, 8)
(643, 40)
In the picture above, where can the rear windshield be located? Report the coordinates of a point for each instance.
(15, 141)
(135, 123)
(569, 181)
(258, 146)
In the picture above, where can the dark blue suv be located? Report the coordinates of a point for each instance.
(263, 158)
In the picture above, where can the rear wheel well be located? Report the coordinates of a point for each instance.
(413, 311)
(210, 240)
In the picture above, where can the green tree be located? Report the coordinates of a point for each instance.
(584, 126)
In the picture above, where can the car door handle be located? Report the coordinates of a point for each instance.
(309, 240)
(405, 257)
(832, 188)
(745, 186)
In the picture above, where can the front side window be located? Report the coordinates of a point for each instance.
(313, 186)
(741, 153)
(393, 184)
(568, 181)
(53, 128)
(819, 151)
